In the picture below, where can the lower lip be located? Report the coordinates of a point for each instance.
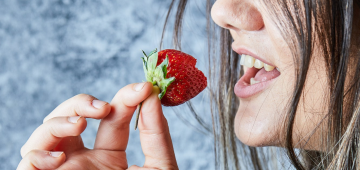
(243, 89)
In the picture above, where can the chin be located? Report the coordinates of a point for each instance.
(255, 132)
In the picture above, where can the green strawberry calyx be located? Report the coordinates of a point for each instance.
(157, 74)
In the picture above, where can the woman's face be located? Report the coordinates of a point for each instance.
(265, 93)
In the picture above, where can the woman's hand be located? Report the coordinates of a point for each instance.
(57, 144)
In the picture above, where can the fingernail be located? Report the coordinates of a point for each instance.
(98, 103)
(139, 86)
(74, 119)
(55, 154)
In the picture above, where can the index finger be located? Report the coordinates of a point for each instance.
(113, 133)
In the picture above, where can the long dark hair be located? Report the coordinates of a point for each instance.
(330, 24)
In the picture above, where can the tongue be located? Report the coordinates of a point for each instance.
(264, 75)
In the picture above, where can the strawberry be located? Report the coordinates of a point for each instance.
(174, 72)
(189, 81)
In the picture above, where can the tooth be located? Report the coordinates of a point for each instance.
(245, 69)
(258, 64)
(253, 81)
(268, 67)
(242, 59)
(277, 69)
(249, 61)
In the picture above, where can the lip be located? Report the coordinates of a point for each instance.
(243, 89)
(242, 50)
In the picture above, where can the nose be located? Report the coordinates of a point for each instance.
(237, 15)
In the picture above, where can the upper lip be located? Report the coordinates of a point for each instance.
(243, 50)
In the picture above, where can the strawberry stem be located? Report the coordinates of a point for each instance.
(137, 115)
(156, 75)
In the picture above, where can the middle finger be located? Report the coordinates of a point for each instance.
(48, 135)
(81, 105)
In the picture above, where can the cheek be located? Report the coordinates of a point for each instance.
(309, 124)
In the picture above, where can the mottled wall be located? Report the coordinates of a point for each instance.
(53, 50)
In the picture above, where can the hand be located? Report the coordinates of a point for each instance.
(56, 144)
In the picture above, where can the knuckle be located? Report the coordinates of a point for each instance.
(120, 124)
(79, 109)
(54, 164)
(153, 132)
(55, 132)
(34, 158)
(31, 154)
(65, 131)
(83, 96)
(77, 130)
(45, 119)
(22, 151)
(80, 102)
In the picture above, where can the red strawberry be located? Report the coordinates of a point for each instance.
(174, 72)
(189, 81)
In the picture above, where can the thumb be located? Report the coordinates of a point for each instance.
(154, 134)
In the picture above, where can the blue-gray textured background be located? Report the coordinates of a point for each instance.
(53, 50)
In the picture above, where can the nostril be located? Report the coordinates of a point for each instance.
(231, 27)
(237, 15)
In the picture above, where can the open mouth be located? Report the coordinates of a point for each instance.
(257, 77)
